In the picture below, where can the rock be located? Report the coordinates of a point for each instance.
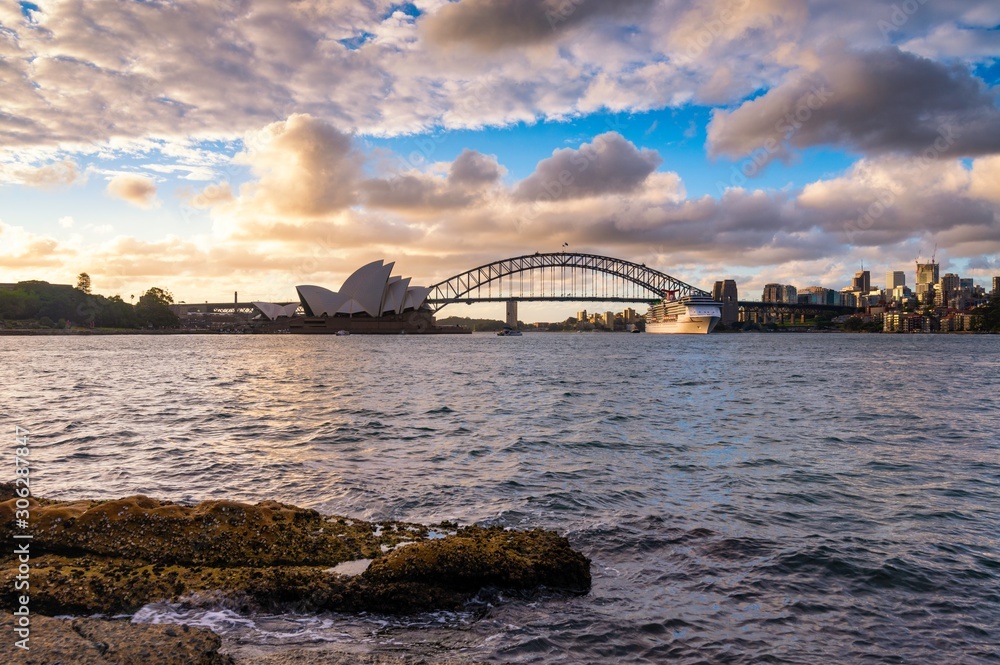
(103, 642)
(114, 557)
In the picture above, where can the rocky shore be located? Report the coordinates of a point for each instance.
(113, 557)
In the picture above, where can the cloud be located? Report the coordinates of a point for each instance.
(875, 102)
(475, 169)
(613, 200)
(491, 25)
(611, 164)
(985, 178)
(89, 77)
(139, 190)
(413, 192)
(22, 250)
(304, 167)
(49, 176)
(212, 195)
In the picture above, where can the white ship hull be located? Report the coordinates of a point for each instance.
(693, 315)
(699, 325)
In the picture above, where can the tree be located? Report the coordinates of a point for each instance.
(854, 324)
(83, 282)
(153, 309)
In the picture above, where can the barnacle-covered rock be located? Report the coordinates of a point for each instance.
(99, 642)
(116, 556)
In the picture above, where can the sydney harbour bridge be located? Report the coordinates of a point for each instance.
(565, 277)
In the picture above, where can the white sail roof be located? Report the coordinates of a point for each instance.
(395, 295)
(370, 290)
(272, 311)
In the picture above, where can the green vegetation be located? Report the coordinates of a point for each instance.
(988, 316)
(83, 282)
(475, 325)
(857, 324)
(35, 304)
(152, 309)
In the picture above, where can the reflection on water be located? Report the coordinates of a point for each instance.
(791, 498)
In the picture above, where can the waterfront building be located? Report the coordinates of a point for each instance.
(369, 290)
(772, 293)
(818, 295)
(628, 315)
(609, 320)
(273, 311)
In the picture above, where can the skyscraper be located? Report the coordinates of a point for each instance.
(862, 282)
(927, 279)
(894, 278)
(996, 287)
(928, 273)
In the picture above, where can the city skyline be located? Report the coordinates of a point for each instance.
(786, 143)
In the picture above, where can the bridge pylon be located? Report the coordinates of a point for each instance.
(512, 313)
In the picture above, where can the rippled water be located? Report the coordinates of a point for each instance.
(744, 498)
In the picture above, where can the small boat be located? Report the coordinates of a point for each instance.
(343, 333)
(508, 332)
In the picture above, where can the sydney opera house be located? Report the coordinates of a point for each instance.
(371, 301)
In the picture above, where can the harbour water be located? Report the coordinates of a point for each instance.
(744, 498)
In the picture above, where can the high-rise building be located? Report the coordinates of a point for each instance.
(789, 294)
(947, 288)
(581, 315)
(772, 293)
(928, 273)
(629, 315)
(609, 320)
(996, 287)
(927, 278)
(894, 278)
(862, 281)
(727, 293)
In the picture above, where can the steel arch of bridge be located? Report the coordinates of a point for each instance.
(467, 287)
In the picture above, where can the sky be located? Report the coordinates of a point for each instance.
(207, 147)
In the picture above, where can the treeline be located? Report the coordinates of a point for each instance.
(474, 324)
(61, 305)
(989, 314)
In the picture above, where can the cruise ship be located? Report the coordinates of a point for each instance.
(695, 314)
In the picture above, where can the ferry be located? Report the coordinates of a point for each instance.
(695, 314)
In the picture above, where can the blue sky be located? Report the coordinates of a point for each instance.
(143, 149)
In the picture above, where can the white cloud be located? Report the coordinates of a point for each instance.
(139, 190)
